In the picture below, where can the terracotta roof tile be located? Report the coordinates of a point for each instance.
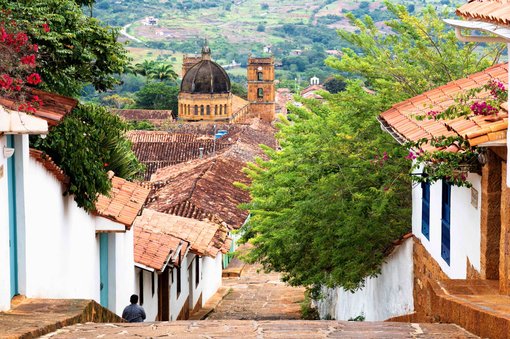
(201, 235)
(54, 107)
(156, 249)
(156, 149)
(156, 117)
(493, 11)
(477, 129)
(50, 165)
(203, 188)
(125, 201)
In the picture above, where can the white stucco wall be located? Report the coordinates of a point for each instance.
(388, 295)
(5, 283)
(121, 275)
(177, 302)
(195, 290)
(211, 276)
(58, 245)
(150, 302)
(464, 226)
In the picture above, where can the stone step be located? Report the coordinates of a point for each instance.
(249, 329)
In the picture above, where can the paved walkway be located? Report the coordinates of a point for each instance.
(258, 296)
(248, 329)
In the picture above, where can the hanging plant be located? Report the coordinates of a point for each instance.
(454, 157)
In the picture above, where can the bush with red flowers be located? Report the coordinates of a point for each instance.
(17, 67)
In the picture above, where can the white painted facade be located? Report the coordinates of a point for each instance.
(212, 276)
(388, 295)
(150, 295)
(57, 241)
(5, 283)
(464, 226)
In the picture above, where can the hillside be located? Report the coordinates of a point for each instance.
(236, 28)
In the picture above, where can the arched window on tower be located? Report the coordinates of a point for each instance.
(225, 111)
(260, 93)
(201, 109)
(260, 76)
(208, 110)
(221, 109)
(215, 109)
(196, 109)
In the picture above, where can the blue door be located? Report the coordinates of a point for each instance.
(445, 221)
(13, 230)
(103, 268)
(425, 210)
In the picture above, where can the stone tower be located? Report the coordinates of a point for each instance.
(261, 88)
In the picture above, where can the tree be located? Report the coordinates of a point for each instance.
(327, 207)
(118, 101)
(158, 95)
(163, 72)
(87, 144)
(239, 90)
(75, 50)
(334, 85)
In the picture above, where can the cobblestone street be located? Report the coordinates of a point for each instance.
(258, 296)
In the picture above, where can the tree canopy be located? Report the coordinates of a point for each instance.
(75, 49)
(327, 207)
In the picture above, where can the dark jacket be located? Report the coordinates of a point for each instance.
(134, 313)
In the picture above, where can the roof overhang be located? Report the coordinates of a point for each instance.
(143, 267)
(502, 32)
(14, 122)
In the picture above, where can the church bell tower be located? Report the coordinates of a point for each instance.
(261, 88)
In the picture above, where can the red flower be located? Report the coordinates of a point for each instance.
(35, 47)
(106, 164)
(5, 81)
(28, 60)
(46, 27)
(34, 79)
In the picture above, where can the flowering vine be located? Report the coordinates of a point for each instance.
(453, 157)
(18, 59)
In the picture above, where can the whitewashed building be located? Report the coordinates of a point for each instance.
(49, 241)
(178, 263)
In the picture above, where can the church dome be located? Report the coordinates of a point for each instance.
(206, 77)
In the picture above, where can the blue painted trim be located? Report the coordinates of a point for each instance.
(103, 268)
(13, 225)
(425, 209)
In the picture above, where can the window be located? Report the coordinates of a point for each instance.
(208, 110)
(425, 209)
(202, 110)
(196, 109)
(260, 93)
(152, 283)
(445, 221)
(215, 109)
(178, 281)
(260, 76)
(140, 283)
(197, 271)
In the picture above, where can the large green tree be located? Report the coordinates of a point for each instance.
(75, 49)
(327, 207)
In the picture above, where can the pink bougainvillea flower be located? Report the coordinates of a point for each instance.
(46, 27)
(411, 156)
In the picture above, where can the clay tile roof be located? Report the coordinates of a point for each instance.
(124, 203)
(204, 188)
(51, 166)
(156, 149)
(54, 107)
(157, 249)
(201, 235)
(400, 121)
(156, 117)
(312, 88)
(493, 11)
